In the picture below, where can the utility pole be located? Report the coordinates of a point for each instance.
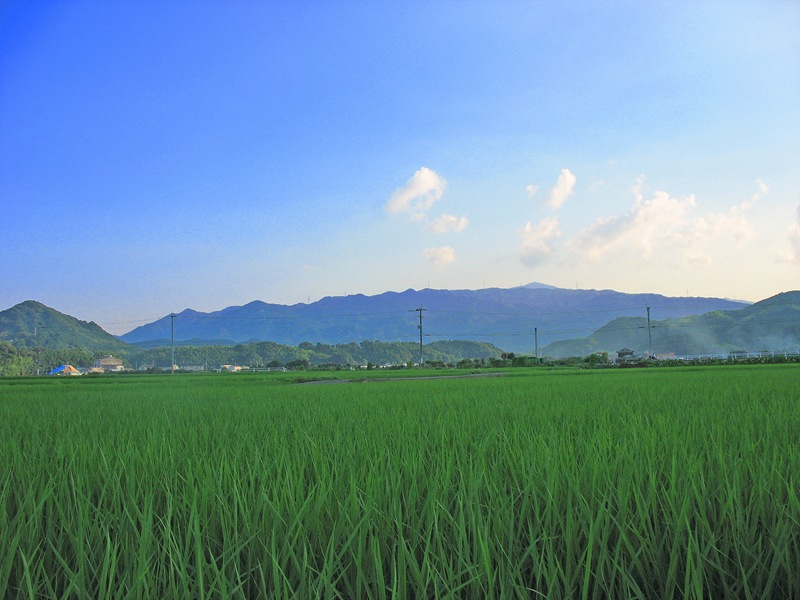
(420, 310)
(36, 333)
(649, 336)
(172, 366)
(536, 343)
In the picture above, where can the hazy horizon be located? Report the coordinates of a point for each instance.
(156, 157)
(124, 327)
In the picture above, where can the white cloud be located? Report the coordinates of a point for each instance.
(646, 225)
(536, 246)
(419, 193)
(734, 224)
(446, 223)
(441, 256)
(600, 183)
(531, 190)
(665, 226)
(562, 190)
(792, 254)
(636, 188)
(762, 187)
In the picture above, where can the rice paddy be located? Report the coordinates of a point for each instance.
(673, 483)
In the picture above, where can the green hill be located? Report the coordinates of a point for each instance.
(271, 354)
(770, 325)
(61, 338)
(31, 324)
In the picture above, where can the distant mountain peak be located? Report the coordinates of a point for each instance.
(535, 285)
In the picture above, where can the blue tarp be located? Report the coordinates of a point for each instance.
(64, 370)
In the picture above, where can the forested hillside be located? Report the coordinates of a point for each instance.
(31, 324)
(770, 325)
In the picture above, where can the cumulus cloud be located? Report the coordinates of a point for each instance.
(536, 240)
(600, 183)
(734, 224)
(441, 256)
(665, 225)
(447, 223)
(418, 194)
(647, 224)
(562, 190)
(531, 190)
(636, 188)
(792, 254)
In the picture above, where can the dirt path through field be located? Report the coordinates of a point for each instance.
(380, 379)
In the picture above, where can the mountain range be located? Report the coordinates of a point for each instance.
(563, 322)
(514, 319)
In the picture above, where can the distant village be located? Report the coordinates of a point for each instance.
(624, 357)
(112, 364)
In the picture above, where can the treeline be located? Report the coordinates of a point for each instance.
(601, 360)
(271, 354)
(26, 361)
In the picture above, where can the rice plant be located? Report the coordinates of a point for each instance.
(566, 484)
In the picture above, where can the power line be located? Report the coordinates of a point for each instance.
(679, 322)
(521, 313)
(287, 317)
(622, 309)
(150, 320)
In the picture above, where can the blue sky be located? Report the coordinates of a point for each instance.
(156, 156)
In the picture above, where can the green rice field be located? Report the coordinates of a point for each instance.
(638, 483)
